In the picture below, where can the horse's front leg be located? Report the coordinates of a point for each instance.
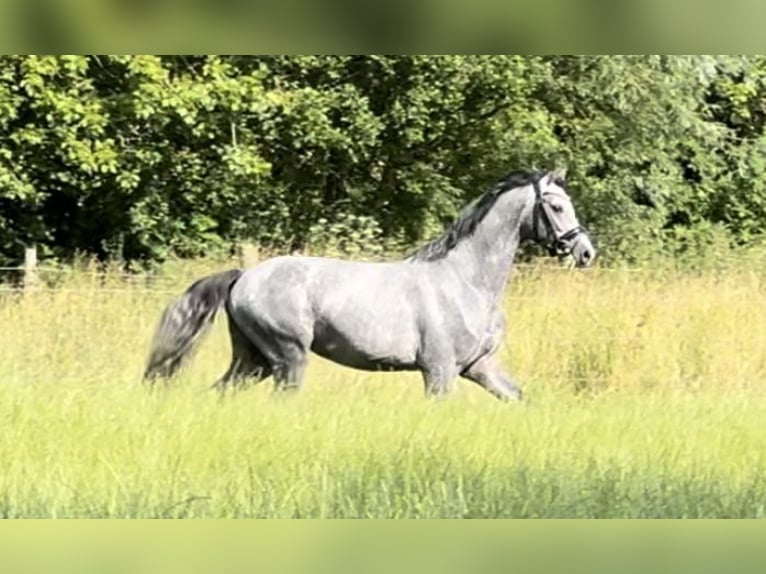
(437, 362)
(487, 373)
(438, 380)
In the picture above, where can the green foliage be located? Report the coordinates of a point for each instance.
(144, 157)
(347, 235)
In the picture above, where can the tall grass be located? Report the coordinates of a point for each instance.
(646, 400)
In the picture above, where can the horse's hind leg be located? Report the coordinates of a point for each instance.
(248, 365)
(288, 358)
(289, 367)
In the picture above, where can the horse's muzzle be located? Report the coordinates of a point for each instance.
(582, 250)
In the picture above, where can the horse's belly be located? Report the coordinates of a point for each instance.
(368, 347)
(350, 358)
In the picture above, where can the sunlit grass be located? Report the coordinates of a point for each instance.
(646, 398)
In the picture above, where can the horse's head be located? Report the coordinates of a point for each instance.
(555, 222)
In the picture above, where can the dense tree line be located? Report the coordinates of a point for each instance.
(141, 157)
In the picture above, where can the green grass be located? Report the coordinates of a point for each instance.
(646, 399)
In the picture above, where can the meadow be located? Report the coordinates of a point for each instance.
(646, 398)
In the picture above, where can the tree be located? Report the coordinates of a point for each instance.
(143, 157)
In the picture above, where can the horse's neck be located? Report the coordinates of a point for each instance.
(486, 258)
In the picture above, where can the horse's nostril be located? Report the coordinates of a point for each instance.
(586, 255)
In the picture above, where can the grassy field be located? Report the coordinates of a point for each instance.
(647, 396)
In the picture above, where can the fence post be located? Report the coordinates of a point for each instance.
(31, 279)
(233, 127)
(248, 254)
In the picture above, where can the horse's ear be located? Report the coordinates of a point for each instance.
(560, 174)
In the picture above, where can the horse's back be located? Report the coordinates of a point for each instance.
(322, 275)
(364, 314)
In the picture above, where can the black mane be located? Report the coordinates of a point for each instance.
(472, 215)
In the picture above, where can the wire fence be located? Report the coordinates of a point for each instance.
(43, 279)
(137, 275)
(61, 279)
(170, 285)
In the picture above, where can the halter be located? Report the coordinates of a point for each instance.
(558, 245)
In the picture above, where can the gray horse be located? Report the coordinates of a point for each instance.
(439, 311)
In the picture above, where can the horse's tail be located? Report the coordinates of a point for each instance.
(184, 322)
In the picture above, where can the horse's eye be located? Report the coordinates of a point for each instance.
(557, 208)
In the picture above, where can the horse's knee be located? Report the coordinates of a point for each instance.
(288, 374)
(438, 381)
(513, 390)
